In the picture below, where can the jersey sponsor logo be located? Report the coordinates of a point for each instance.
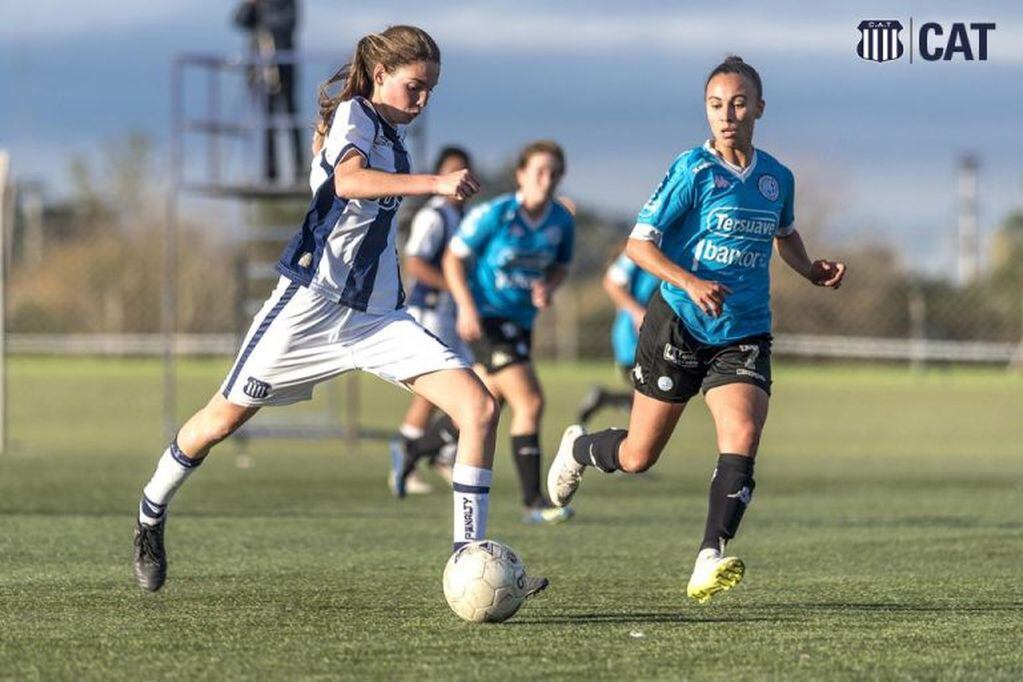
(389, 203)
(748, 223)
(750, 373)
(721, 182)
(768, 186)
(680, 357)
(254, 388)
(710, 252)
(553, 235)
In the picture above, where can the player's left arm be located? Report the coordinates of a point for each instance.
(822, 272)
(543, 289)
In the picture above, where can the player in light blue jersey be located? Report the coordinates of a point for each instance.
(707, 232)
(630, 288)
(339, 305)
(503, 265)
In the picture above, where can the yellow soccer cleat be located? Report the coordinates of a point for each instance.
(714, 573)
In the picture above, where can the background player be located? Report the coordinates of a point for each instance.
(502, 266)
(339, 303)
(630, 288)
(707, 232)
(430, 303)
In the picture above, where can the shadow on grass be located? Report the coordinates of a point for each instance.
(643, 618)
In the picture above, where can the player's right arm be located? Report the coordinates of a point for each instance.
(616, 284)
(426, 238)
(472, 237)
(347, 149)
(667, 207)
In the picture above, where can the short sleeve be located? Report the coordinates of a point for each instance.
(669, 203)
(476, 229)
(786, 222)
(426, 237)
(352, 130)
(566, 248)
(621, 270)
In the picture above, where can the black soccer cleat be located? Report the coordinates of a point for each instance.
(150, 559)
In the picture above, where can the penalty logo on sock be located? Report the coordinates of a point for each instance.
(468, 519)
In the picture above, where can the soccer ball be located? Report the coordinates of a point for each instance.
(483, 582)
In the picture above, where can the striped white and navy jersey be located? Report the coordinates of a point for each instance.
(432, 229)
(345, 248)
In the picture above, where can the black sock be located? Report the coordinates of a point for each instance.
(439, 433)
(526, 452)
(600, 449)
(730, 493)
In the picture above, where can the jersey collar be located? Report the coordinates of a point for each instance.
(741, 173)
(531, 224)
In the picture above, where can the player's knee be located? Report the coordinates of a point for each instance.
(743, 437)
(531, 406)
(478, 413)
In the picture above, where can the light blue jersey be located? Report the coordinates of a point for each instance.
(511, 254)
(719, 222)
(641, 285)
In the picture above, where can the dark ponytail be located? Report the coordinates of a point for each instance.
(395, 47)
(734, 64)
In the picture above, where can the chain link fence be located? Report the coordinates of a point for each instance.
(85, 271)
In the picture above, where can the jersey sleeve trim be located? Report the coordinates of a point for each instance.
(646, 232)
(459, 247)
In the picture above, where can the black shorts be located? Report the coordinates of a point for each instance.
(672, 365)
(504, 343)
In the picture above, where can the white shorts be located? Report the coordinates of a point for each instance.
(440, 322)
(300, 338)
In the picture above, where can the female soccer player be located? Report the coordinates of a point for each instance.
(430, 303)
(630, 288)
(707, 233)
(520, 246)
(339, 305)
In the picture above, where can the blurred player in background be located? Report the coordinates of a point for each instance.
(271, 27)
(630, 288)
(430, 303)
(707, 232)
(503, 266)
(339, 305)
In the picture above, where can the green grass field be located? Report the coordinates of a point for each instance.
(885, 542)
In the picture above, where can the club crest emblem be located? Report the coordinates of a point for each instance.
(879, 40)
(768, 186)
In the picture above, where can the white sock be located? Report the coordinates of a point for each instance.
(171, 471)
(472, 499)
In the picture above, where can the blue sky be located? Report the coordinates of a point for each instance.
(619, 84)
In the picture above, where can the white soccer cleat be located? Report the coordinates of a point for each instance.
(565, 473)
(714, 573)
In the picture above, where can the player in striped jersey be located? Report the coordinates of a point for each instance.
(339, 305)
(430, 303)
(707, 232)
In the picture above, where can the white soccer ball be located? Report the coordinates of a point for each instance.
(483, 582)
